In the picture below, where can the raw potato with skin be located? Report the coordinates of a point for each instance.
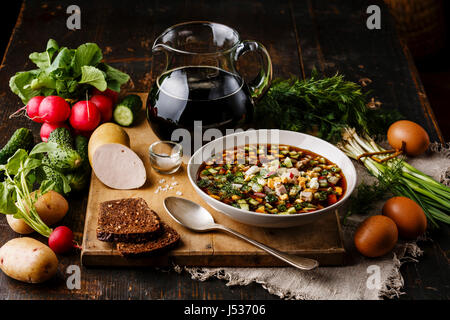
(107, 133)
(112, 161)
(51, 207)
(28, 260)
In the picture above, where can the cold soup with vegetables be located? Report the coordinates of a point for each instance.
(272, 179)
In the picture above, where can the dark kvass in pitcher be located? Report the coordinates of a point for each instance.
(183, 95)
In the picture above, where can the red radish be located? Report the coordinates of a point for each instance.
(33, 108)
(54, 109)
(113, 95)
(47, 128)
(61, 240)
(85, 116)
(104, 105)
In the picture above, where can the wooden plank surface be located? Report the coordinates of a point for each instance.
(299, 35)
(321, 240)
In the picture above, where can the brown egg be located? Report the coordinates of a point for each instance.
(415, 137)
(376, 236)
(408, 216)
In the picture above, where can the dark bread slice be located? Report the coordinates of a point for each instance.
(129, 220)
(167, 240)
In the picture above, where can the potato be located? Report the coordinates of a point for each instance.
(28, 260)
(18, 225)
(51, 207)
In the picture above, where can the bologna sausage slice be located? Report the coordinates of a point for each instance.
(118, 167)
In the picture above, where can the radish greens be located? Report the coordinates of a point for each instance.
(66, 72)
(23, 172)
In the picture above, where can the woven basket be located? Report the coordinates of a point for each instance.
(421, 23)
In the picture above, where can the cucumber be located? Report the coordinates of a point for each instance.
(74, 163)
(21, 139)
(79, 179)
(51, 174)
(126, 112)
(65, 159)
(244, 206)
(81, 145)
(62, 137)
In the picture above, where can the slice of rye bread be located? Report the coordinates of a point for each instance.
(167, 240)
(129, 220)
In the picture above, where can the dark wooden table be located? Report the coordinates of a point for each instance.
(330, 35)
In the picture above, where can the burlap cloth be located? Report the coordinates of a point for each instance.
(361, 278)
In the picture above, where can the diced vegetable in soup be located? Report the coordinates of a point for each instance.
(272, 179)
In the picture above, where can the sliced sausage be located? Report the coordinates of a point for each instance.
(118, 167)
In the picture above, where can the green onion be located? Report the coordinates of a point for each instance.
(401, 178)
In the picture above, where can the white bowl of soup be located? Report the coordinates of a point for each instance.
(272, 178)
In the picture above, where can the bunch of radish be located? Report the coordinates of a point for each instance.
(84, 116)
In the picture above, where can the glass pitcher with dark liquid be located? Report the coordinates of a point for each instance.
(196, 83)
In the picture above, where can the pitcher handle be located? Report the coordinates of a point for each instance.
(261, 83)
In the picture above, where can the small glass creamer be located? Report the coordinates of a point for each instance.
(165, 156)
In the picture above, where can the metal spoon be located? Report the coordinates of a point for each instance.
(195, 217)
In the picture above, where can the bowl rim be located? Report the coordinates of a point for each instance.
(336, 205)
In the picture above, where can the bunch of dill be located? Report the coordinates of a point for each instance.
(320, 106)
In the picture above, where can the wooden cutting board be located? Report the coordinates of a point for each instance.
(321, 240)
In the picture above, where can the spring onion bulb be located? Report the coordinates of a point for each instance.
(401, 178)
